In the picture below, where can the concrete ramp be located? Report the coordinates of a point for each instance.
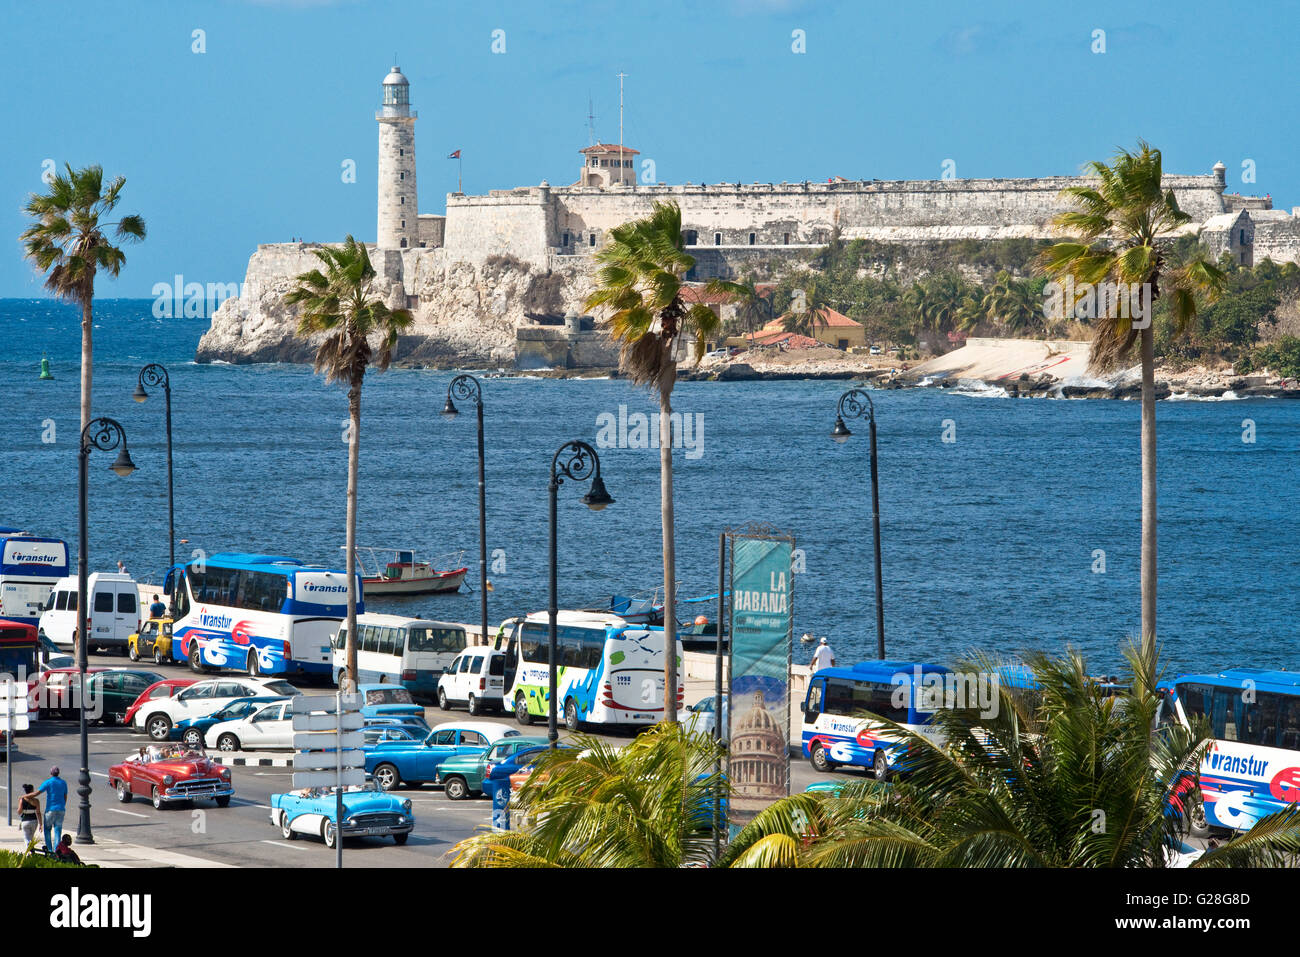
(994, 360)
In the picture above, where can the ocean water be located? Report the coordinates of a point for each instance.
(991, 541)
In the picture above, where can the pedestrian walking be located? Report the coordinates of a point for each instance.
(157, 609)
(29, 813)
(55, 790)
(823, 657)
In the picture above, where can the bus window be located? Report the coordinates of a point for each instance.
(814, 703)
(1226, 713)
(370, 638)
(341, 639)
(387, 640)
(839, 697)
(1289, 724)
(1259, 720)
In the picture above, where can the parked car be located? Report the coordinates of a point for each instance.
(51, 695)
(159, 689)
(702, 717)
(394, 759)
(192, 730)
(476, 679)
(108, 695)
(114, 610)
(367, 812)
(153, 640)
(463, 775)
(390, 701)
(204, 698)
(168, 773)
(267, 729)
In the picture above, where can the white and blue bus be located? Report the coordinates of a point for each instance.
(1253, 767)
(607, 670)
(29, 567)
(263, 614)
(843, 708)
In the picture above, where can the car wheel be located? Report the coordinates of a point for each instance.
(159, 727)
(193, 737)
(386, 777)
(286, 832)
(223, 801)
(443, 703)
(819, 760)
(133, 653)
(1198, 825)
(254, 669)
(400, 839)
(196, 658)
(227, 742)
(157, 798)
(157, 656)
(474, 706)
(571, 715)
(329, 833)
(123, 792)
(521, 711)
(455, 789)
(880, 766)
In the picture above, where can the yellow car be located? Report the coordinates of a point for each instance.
(154, 640)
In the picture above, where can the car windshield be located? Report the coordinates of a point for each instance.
(171, 752)
(280, 688)
(389, 696)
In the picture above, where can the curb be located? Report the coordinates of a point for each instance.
(254, 759)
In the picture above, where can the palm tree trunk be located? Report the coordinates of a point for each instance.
(354, 458)
(87, 357)
(670, 551)
(1148, 501)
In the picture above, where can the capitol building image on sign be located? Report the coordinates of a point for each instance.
(757, 764)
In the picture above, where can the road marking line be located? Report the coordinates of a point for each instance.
(99, 774)
(116, 810)
(296, 847)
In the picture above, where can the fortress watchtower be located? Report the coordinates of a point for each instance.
(398, 202)
(607, 164)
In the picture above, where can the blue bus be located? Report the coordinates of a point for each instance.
(843, 708)
(262, 614)
(29, 568)
(1252, 768)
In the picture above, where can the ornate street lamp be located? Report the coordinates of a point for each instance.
(156, 375)
(105, 435)
(468, 388)
(577, 461)
(856, 403)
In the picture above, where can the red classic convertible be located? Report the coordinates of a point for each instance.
(171, 772)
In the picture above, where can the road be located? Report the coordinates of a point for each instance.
(242, 834)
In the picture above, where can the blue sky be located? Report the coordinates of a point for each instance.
(245, 142)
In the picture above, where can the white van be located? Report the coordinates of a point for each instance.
(476, 678)
(114, 611)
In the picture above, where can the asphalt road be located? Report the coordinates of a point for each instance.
(242, 834)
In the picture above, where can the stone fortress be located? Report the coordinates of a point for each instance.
(503, 276)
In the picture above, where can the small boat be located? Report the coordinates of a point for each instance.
(402, 574)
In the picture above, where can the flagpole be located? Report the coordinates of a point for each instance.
(459, 188)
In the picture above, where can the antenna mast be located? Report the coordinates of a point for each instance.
(620, 119)
(591, 123)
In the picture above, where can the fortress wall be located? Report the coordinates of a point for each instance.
(1277, 239)
(517, 223)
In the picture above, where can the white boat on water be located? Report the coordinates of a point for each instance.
(396, 571)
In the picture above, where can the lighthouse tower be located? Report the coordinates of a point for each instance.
(398, 207)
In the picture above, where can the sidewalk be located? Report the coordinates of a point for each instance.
(109, 853)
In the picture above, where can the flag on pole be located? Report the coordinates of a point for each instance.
(454, 156)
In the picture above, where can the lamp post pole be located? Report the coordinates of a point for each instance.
(466, 387)
(103, 434)
(577, 461)
(856, 403)
(156, 375)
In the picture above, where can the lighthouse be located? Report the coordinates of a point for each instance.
(398, 206)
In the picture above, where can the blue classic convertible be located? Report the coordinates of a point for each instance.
(398, 755)
(367, 812)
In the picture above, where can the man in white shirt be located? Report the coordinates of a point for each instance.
(823, 657)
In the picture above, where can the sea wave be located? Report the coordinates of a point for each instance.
(980, 389)
(1228, 396)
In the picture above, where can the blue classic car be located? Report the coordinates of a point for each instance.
(192, 730)
(367, 812)
(397, 755)
(390, 701)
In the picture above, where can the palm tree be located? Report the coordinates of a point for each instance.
(640, 282)
(647, 804)
(1065, 777)
(69, 240)
(1011, 302)
(1124, 224)
(339, 302)
(754, 307)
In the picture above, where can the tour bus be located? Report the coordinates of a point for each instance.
(843, 706)
(607, 671)
(1253, 767)
(29, 567)
(409, 651)
(264, 614)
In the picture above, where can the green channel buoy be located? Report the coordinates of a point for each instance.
(45, 369)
